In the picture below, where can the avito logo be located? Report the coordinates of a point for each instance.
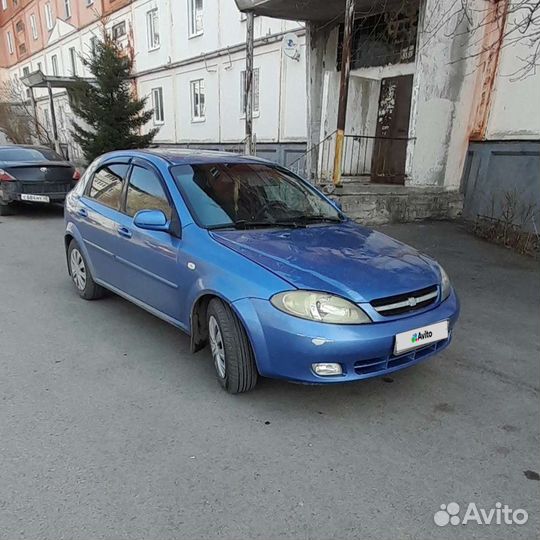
(419, 336)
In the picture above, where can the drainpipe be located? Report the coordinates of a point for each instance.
(343, 90)
(53, 120)
(248, 89)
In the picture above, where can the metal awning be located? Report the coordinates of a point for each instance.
(310, 10)
(37, 79)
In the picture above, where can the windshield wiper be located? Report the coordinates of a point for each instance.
(318, 218)
(243, 224)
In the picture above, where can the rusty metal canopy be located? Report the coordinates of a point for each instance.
(311, 10)
(37, 79)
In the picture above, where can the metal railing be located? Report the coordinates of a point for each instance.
(379, 159)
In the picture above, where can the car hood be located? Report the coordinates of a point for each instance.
(345, 259)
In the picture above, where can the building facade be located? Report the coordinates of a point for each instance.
(439, 104)
(189, 62)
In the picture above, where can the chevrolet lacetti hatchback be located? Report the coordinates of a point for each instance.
(245, 256)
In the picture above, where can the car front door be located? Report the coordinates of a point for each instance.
(149, 258)
(98, 219)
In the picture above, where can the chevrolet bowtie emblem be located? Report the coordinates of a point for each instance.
(412, 301)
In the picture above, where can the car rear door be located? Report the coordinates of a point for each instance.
(98, 218)
(149, 258)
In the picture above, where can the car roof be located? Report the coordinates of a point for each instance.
(180, 156)
(30, 146)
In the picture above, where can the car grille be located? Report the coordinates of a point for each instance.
(373, 365)
(46, 187)
(405, 303)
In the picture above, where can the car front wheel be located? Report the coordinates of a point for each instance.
(231, 350)
(81, 275)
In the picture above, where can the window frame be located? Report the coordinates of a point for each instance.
(192, 85)
(33, 26)
(48, 16)
(159, 91)
(119, 24)
(54, 65)
(257, 86)
(192, 19)
(10, 42)
(73, 61)
(152, 29)
(67, 9)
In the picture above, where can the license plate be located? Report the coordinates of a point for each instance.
(34, 198)
(412, 339)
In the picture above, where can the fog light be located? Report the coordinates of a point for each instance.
(324, 370)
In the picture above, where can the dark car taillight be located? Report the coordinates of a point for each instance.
(5, 176)
(76, 175)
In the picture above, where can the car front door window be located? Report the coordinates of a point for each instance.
(145, 192)
(107, 183)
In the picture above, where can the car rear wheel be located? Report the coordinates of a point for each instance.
(231, 350)
(80, 274)
(6, 209)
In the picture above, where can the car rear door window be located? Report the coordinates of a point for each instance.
(146, 192)
(107, 183)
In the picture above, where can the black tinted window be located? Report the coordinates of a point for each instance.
(28, 154)
(107, 183)
(145, 192)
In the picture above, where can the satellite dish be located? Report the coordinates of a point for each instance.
(290, 46)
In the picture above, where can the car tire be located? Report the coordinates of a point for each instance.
(231, 351)
(80, 274)
(6, 209)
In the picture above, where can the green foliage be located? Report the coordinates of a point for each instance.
(111, 115)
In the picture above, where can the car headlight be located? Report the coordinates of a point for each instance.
(319, 306)
(446, 286)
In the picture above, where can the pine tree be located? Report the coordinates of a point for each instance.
(111, 114)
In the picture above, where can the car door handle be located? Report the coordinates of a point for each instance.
(124, 231)
(83, 212)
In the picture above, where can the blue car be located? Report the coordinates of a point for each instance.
(245, 256)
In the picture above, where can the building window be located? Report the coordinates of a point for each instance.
(157, 104)
(39, 67)
(118, 30)
(54, 63)
(33, 26)
(195, 12)
(89, 2)
(152, 29)
(4, 4)
(47, 118)
(197, 100)
(10, 42)
(93, 45)
(67, 7)
(73, 61)
(49, 16)
(255, 91)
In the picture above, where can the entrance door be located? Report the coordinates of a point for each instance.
(390, 146)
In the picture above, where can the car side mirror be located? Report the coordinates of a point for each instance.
(151, 220)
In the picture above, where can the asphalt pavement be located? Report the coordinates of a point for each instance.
(110, 428)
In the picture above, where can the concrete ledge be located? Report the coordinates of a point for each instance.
(376, 204)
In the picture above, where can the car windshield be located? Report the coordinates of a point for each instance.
(28, 154)
(245, 195)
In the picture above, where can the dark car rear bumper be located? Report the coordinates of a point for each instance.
(12, 191)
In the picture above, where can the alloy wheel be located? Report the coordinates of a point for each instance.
(216, 346)
(78, 269)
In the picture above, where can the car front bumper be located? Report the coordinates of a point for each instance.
(285, 347)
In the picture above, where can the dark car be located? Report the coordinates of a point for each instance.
(33, 174)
